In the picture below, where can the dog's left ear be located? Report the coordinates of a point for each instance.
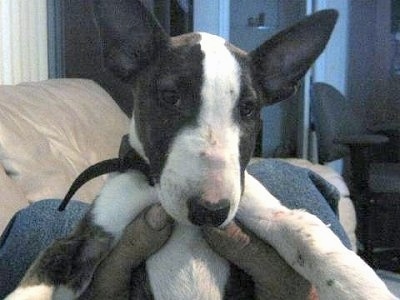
(282, 61)
(131, 36)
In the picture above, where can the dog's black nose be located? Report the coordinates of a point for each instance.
(202, 212)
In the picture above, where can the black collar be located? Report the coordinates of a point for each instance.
(128, 159)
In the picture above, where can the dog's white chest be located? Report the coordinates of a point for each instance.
(186, 268)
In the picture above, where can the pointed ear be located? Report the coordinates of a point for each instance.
(131, 36)
(282, 61)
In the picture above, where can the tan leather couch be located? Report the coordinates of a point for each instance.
(50, 131)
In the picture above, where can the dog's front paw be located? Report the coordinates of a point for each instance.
(41, 292)
(34, 292)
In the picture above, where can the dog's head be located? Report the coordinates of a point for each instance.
(197, 101)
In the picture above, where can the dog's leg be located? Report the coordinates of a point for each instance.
(64, 270)
(309, 246)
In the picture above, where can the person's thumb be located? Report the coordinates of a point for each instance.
(145, 235)
(272, 276)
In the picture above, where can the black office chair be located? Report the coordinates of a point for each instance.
(374, 184)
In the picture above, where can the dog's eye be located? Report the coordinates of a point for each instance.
(247, 108)
(170, 98)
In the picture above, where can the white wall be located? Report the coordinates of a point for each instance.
(211, 16)
(23, 41)
(331, 67)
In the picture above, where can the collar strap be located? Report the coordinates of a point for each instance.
(128, 159)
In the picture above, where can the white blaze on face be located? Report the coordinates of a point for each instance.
(204, 159)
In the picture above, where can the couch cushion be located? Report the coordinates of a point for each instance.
(52, 130)
(12, 198)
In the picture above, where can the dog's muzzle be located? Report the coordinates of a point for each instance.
(202, 212)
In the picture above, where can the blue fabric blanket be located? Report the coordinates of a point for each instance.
(298, 187)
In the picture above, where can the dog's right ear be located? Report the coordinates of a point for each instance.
(131, 36)
(281, 62)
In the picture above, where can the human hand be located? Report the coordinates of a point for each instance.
(272, 276)
(141, 238)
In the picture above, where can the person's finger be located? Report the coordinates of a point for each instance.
(144, 236)
(141, 238)
(272, 276)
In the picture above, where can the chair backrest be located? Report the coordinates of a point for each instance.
(333, 117)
